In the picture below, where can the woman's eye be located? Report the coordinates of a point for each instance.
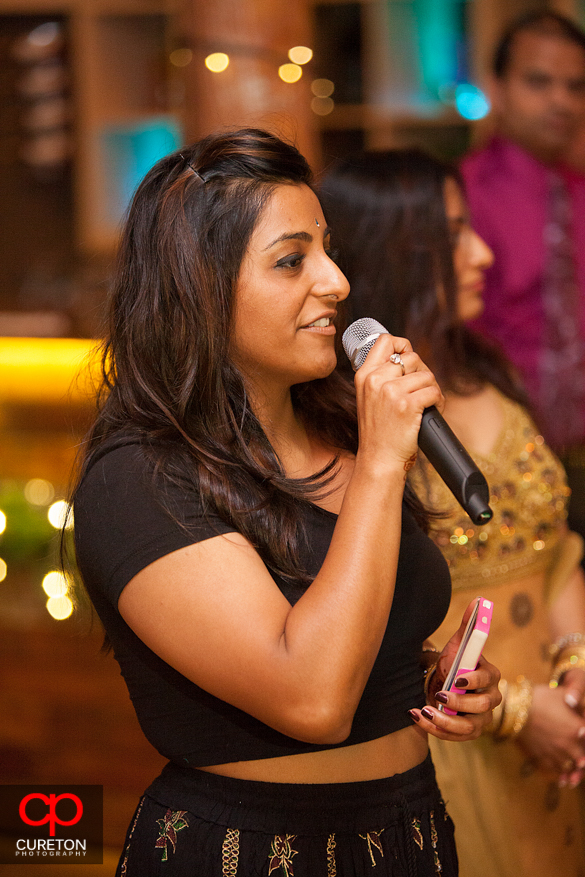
(292, 261)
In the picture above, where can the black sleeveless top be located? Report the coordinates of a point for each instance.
(121, 527)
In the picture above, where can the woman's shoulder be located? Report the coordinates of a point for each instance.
(128, 514)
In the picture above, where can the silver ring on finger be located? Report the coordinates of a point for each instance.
(397, 360)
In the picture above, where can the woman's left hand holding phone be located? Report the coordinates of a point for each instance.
(473, 698)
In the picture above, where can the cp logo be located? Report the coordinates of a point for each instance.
(51, 817)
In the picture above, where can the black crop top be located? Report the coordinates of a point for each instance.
(120, 528)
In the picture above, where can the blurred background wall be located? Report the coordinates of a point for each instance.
(92, 92)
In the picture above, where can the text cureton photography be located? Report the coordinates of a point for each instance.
(49, 824)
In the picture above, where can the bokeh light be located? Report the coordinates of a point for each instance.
(55, 584)
(181, 57)
(290, 72)
(2, 521)
(322, 87)
(59, 607)
(300, 54)
(3, 570)
(217, 62)
(38, 491)
(58, 515)
(471, 102)
(322, 106)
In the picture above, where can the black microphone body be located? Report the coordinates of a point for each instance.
(436, 439)
(445, 452)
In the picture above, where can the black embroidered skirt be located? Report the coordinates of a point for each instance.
(195, 824)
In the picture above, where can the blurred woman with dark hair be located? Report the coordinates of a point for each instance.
(415, 265)
(260, 574)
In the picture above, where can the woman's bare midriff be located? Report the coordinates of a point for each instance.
(383, 757)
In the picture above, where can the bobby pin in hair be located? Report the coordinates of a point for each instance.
(197, 174)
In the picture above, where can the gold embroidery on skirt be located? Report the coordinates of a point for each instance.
(417, 834)
(230, 853)
(125, 862)
(281, 854)
(373, 839)
(434, 839)
(331, 866)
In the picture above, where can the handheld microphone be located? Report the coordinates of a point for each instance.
(436, 439)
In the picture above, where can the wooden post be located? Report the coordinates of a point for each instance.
(256, 35)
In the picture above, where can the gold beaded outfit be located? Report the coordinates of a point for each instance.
(511, 820)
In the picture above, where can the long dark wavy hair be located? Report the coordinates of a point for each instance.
(169, 381)
(387, 212)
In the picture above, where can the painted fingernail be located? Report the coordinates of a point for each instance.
(414, 715)
(427, 713)
(442, 697)
(571, 700)
(462, 682)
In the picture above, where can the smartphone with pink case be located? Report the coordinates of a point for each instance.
(470, 648)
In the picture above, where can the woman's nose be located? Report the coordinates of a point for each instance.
(333, 281)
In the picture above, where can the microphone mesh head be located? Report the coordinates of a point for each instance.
(359, 338)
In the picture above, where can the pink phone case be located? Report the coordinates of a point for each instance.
(472, 643)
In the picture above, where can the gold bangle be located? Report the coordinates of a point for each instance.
(572, 658)
(516, 709)
(498, 713)
(568, 640)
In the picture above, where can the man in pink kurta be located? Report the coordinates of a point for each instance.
(530, 209)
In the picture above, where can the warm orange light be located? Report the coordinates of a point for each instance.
(217, 62)
(50, 370)
(290, 72)
(300, 54)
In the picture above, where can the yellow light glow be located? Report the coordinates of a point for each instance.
(59, 607)
(55, 584)
(322, 106)
(3, 570)
(300, 54)
(37, 491)
(47, 370)
(181, 57)
(217, 62)
(2, 521)
(290, 72)
(57, 515)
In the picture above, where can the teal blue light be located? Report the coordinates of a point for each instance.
(130, 151)
(439, 38)
(471, 102)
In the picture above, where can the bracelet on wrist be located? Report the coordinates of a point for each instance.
(569, 639)
(570, 658)
(431, 659)
(498, 713)
(516, 709)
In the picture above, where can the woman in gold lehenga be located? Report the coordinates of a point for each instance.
(415, 264)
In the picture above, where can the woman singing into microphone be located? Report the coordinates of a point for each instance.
(261, 574)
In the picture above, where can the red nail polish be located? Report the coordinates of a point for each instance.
(441, 697)
(462, 682)
(427, 713)
(414, 715)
